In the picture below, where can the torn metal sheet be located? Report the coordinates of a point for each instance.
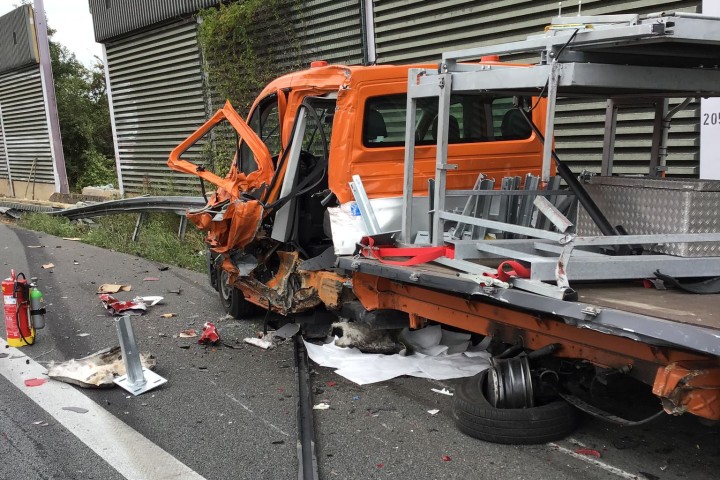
(97, 370)
(117, 307)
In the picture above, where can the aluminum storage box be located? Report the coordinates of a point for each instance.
(656, 206)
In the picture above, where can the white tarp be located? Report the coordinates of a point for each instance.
(439, 354)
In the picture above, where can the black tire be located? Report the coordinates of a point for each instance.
(232, 298)
(476, 417)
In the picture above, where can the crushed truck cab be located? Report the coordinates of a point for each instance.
(307, 135)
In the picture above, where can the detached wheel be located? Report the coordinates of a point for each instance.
(476, 417)
(233, 300)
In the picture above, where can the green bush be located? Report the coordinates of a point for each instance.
(98, 170)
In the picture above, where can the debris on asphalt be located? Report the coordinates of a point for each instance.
(168, 315)
(73, 239)
(177, 291)
(356, 398)
(76, 409)
(82, 334)
(150, 301)
(434, 411)
(113, 288)
(288, 330)
(189, 333)
(365, 338)
(444, 391)
(260, 342)
(151, 279)
(35, 382)
(321, 406)
(97, 370)
(48, 266)
(278, 442)
(4, 355)
(431, 359)
(36, 246)
(117, 307)
(41, 423)
(649, 476)
(330, 383)
(162, 268)
(210, 335)
(588, 451)
(446, 458)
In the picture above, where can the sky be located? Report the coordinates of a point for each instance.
(72, 23)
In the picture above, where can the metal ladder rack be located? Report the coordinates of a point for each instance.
(617, 57)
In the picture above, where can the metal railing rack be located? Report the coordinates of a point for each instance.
(624, 59)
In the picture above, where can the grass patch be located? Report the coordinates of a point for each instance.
(157, 241)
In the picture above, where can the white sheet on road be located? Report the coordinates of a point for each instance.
(435, 362)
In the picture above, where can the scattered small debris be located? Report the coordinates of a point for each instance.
(278, 442)
(446, 458)
(168, 315)
(151, 300)
(177, 291)
(48, 266)
(73, 239)
(189, 333)
(649, 476)
(185, 347)
(113, 288)
(41, 423)
(259, 342)
(4, 355)
(288, 330)
(75, 262)
(434, 411)
(116, 307)
(82, 334)
(35, 382)
(162, 268)
(96, 370)
(151, 279)
(76, 409)
(331, 383)
(380, 465)
(356, 398)
(444, 391)
(589, 452)
(36, 246)
(321, 406)
(210, 335)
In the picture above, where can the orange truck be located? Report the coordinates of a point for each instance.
(369, 193)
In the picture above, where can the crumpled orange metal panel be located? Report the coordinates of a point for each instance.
(692, 387)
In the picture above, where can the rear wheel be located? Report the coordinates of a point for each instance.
(475, 416)
(232, 298)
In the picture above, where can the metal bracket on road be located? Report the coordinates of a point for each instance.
(137, 379)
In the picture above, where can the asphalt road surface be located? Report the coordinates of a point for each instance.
(229, 413)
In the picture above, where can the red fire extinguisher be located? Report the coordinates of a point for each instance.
(18, 295)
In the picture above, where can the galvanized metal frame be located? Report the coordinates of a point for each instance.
(7, 155)
(652, 83)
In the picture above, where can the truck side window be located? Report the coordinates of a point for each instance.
(473, 118)
(265, 122)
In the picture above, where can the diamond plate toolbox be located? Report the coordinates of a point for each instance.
(646, 206)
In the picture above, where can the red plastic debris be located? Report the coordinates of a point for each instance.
(150, 279)
(446, 458)
(380, 465)
(210, 335)
(34, 382)
(330, 383)
(588, 451)
(116, 307)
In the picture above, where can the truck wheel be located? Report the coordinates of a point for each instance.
(232, 298)
(475, 416)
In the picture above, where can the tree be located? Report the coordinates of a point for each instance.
(84, 119)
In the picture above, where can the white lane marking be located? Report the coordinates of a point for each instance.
(127, 451)
(594, 461)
